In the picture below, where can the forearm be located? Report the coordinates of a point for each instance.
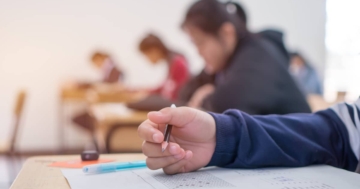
(291, 140)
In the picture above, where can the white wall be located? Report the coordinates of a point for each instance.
(44, 42)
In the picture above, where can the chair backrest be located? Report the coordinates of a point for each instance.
(18, 109)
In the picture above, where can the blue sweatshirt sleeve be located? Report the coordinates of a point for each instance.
(244, 141)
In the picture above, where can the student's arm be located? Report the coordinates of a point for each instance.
(237, 140)
(187, 91)
(291, 140)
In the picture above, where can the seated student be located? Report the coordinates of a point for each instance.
(251, 70)
(305, 74)
(178, 73)
(235, 139)
(110, 74)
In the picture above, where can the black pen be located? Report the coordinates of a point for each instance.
(167, 134)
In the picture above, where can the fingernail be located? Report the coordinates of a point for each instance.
(156, 138)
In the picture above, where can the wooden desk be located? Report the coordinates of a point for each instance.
(107, 121)
(35, 174)
(67, 94)
(100, 93)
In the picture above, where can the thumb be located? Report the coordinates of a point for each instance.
(178, 117)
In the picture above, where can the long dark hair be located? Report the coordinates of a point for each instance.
(210, 15)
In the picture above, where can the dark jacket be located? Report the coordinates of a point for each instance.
(326, 137)
(256, 79)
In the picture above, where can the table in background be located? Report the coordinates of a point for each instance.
(35, 173)
(110, 117)
(67, 95)
(90, 96)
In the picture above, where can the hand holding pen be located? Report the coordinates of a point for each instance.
(190, 146)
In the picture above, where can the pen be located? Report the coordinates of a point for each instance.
(167, 134)
(111, 167)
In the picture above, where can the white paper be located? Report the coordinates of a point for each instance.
(313, 177)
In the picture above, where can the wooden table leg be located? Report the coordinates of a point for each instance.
(61, 127)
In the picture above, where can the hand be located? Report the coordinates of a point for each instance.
(200, 94)
(192, 141)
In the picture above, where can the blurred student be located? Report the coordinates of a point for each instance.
(250, 69)
(206, 77)
(305, 75)
(178, 72)
(111, 74)
(108, 69)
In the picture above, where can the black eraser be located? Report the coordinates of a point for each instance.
(90, 155)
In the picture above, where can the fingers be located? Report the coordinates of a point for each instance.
(175, 116)
(173, 159)
(170, 164)
(160, 162)
(154, 150)
(180, 166)
(149, 131)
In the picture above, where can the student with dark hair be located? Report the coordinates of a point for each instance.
(178, 73)
(305, 74)
(251, 70)
(206, 77)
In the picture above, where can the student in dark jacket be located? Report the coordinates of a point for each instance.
(251, 70)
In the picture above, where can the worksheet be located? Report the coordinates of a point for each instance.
(313, 177)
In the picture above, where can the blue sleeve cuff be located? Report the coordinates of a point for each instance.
(227, 139)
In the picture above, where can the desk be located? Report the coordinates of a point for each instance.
(72, 93)
(67, 95)
(35, 174)
(112, 116)
(100, 93)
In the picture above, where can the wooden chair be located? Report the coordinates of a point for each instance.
(8, 148)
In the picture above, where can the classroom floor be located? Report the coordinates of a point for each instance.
(5, 181)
